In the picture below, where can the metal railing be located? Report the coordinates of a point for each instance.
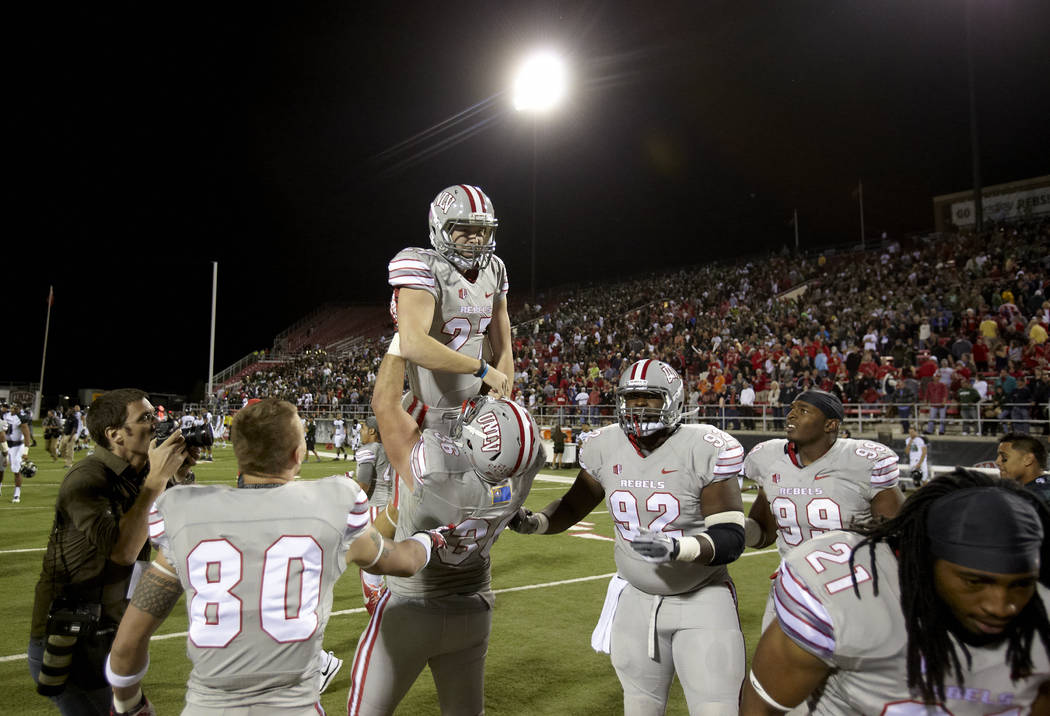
(975, 418)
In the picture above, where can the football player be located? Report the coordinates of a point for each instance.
(474, 481)
(379, 481)
(940, 610)
(355, 437)
(675, 502)
(18, 440)
(339, 437)
(446, 300)
(258, 564)
(814, 481)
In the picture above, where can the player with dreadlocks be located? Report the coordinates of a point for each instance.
(873, 622)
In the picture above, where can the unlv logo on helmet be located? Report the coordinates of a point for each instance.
(445, 201)
(489, 424)
(669, 372)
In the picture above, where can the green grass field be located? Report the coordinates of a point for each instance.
(549, 592)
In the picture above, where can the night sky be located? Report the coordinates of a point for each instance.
(300, 144)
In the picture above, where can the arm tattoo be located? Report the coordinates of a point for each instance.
(382, 545)
(156, 595)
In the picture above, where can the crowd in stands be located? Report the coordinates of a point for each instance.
(946, 329)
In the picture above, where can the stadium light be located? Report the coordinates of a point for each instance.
(540, 83)
(539, 86)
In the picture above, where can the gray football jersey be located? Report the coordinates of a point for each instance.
(258, 567)
(828, 494)
(462, 312)
(373, 466)
(661, 491)
(447, 491)
(865, 639)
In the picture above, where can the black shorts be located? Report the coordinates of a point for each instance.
(310, 445)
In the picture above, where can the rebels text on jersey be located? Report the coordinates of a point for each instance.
(831, 493)
(258, 568)
(462, 312)
(864, 639)
(448, 491)
(661, 491)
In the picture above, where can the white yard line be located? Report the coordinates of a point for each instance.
(358, 610)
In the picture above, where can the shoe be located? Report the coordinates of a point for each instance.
(330, 666)
(16, 500)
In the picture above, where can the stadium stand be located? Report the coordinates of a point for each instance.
(881, 327)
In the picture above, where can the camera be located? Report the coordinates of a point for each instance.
(67, 622)
(199, 436)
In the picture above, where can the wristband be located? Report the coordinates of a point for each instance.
(123, 706)
(395, 345)
(483, 370)
(424, 539)
(120, 681)
(688, 549)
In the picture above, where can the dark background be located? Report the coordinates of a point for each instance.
(147, 140)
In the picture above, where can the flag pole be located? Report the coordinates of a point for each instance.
(211, 350)
(43, 360)
(860, 200)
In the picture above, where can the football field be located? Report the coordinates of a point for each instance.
(549, 593)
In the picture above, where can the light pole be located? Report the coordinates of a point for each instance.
(539, 86)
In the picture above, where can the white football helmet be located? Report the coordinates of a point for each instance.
(463, 205)
(653, 378)
(499, 436)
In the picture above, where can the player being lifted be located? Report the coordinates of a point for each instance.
(446, 300)
(814, 481)
(474, 481)
(938, 611)
(258, 567)
(672, 492)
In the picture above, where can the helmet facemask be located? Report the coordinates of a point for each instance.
(645, 421)
(468, 255)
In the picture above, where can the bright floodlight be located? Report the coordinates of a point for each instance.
(540, 83)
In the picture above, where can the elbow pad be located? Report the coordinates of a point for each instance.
(728, 541)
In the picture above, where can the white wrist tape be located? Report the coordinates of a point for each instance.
(428, 544)
(688, 549)
(124, 705)
(543, 522)
(121, 681)
(760, 690)
(395, 345)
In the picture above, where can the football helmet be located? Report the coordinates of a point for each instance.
(460, 206)
(499, 436)
(653, 378)
(28, 469)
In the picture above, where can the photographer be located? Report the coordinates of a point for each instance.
(100, 531)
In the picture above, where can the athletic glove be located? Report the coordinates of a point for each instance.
(528, 522)
(655, 546)
(437, 537)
